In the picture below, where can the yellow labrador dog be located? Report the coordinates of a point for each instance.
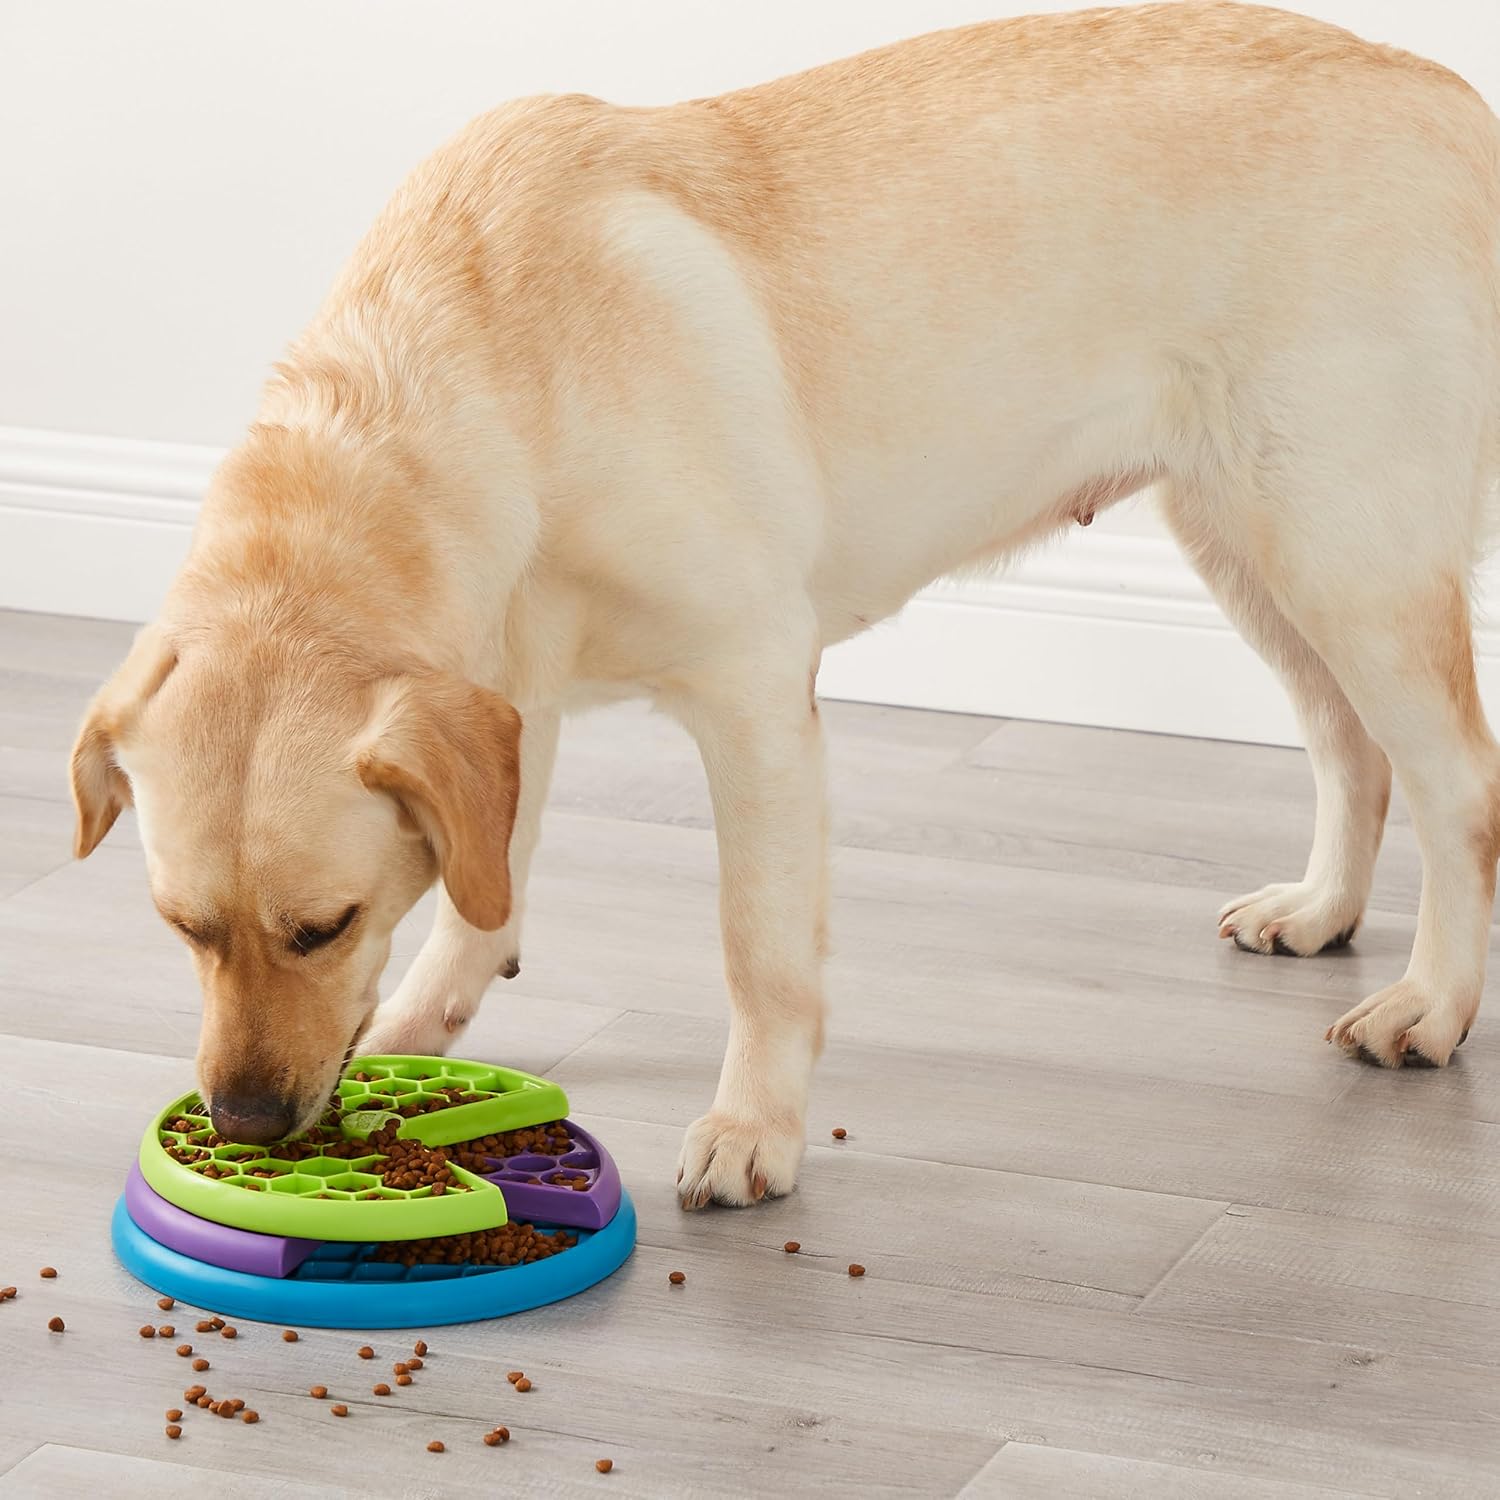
(666, 401)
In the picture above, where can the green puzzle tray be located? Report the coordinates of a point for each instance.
(325, 1197)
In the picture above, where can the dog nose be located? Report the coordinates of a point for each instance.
(252, 1119)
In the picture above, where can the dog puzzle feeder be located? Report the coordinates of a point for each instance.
(311, 1231)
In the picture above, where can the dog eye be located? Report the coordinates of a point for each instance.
(306, 937)
(194, 937)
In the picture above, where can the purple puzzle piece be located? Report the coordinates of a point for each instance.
(530, 1183)
(202, 1239)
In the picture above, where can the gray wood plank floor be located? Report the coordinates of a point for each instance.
(1131, 1229)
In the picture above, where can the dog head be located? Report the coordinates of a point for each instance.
(293, 805)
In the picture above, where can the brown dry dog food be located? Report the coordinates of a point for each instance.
(435, 1447)
(250, 1416)
(523, 1384)
(173, 1430)
(382, 1389)
(677, 1278)
(227, 1409)
(174, 1414)
(216, 1321)
(200, 1364)
(229, 1333)
(290, 1336)
(403, 1380)
(6, 1293)
(183, 1349)
(365, 1352)
(193, 1392)
(235, 1404)
(339, 1411)
(204, 1402)
(400, 1367)
(203, 1327)
(147, 1331)
(48, 1272)
(56, 1324)
(514, 1244)
(792, 1246)
(167, 1331)
(414, 1363)
(515, 1375)
(419, 1347)
(491, 1439)
(839, 1132)
(165, 1303)
(856, 1270)
(604, 1465)
(318, 1392)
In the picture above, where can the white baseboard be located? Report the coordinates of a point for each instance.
(1102, 628)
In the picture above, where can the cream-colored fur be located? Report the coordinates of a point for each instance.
(663, 402)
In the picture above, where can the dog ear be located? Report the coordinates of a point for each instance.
(100, 787)
(450, 754)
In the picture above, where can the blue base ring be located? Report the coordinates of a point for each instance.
(320, 1295)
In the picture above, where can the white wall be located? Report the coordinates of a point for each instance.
(179, 182)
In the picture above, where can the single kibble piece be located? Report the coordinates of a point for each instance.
(414, 1363)
(839, 1132)
(227, 1409)
(216, 1321)
(235, 1404)
(318, 1392)
(48, 1272)
(339, 1411)
(173, 1430)
(382, 1389)
(419, 1347)
(250, 1415)
(200, 1364)
(677, 1277)
(491, 1439)
(174, 1414)
(56, 1324)
(523, 1384)
(214, 1406)
(290, 1336)
(792, 1246)
(229, 1333)
(193, 1392)
(604, 1465)
(515, 1375)
(203, 1327)
(165, 1303)
(203, 1402)
(503, 1433)
(856, 1270)
(6, 1293)
(435, 1446)
(183, 1349)
(147, 1331)
(366, 1352)
(400, 1367)
(403, 1380)
(166, 1330)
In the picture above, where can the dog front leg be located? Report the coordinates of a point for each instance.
(762, 747)
(440, 992)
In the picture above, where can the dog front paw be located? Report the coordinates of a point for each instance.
(424, 1031)
(736, 1161)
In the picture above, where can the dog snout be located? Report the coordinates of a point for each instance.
(252, 1117)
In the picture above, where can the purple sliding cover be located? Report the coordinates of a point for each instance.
(202, 1239)
(535, 1186)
